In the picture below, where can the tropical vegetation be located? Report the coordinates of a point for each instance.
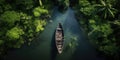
(22, 20)
(100, 20)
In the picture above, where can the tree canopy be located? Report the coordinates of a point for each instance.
(22, 20)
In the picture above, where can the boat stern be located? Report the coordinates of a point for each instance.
(60, 51)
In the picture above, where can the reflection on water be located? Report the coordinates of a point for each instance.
(71, 44)
(76, 45)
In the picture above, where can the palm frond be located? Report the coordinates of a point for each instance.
(103, 3)
(102, 9)
(112, 14)
(105, 14)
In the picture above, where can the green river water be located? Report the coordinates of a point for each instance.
(43, 47)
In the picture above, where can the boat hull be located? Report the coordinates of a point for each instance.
(59, 38)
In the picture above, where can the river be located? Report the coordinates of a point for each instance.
(43, 47)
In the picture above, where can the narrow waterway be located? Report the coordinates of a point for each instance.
(43, 47)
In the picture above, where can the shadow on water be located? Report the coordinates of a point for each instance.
(53, 48)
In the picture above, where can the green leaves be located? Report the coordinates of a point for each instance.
(38, 11)
(39, 24)
(102, 25)
(108, 47)
(26, 4)
(91, 21)
(14, 33)
(40, 2)
(1, 42)
(10, 17)
(83, 3)
(18, 44)
(2, 2)
(66, 2)
(87, 10)
(103, 28)
(102, 2)
(117, 22)
(106, 28)
(15, 39)
(106, 9)
(20, 22)
(100, 36)
(73, 43)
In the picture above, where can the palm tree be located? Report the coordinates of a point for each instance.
(105, 9)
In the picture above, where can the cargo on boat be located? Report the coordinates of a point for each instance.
(59, 38)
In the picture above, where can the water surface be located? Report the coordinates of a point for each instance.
(43, 47)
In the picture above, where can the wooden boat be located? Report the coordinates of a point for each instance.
(59, 38)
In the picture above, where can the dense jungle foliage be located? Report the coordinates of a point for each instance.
(22, 20)
(101, 20)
